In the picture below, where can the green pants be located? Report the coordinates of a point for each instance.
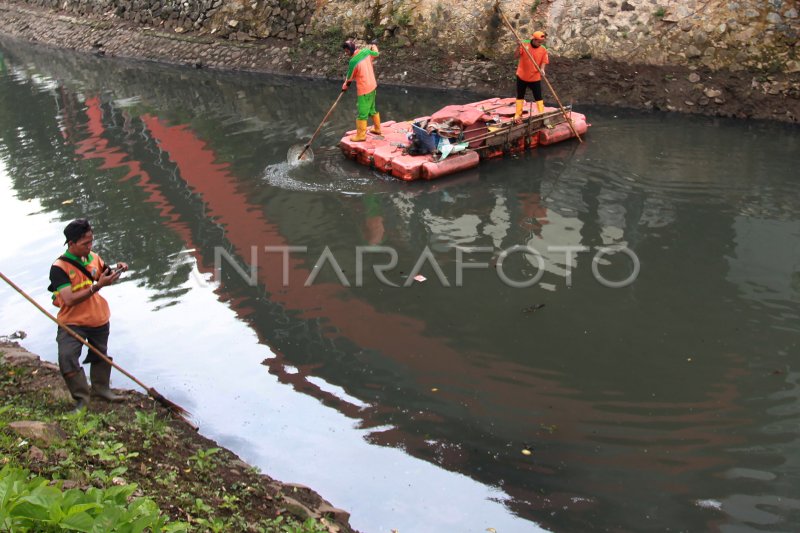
(366, 105)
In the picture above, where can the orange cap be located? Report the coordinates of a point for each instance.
(539, 35)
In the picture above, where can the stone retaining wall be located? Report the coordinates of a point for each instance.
(733, 34)
(741, 34)
(759, 35)
(233, 19)
(717, 34)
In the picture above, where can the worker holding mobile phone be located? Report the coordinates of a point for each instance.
(76, 279)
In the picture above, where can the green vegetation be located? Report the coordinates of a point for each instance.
(660, 12)
(31, 503)
(438, 12)
(535, 5)
(373, 30)
(203, 460)
(330, 40)
(401, 18)
(123, 468)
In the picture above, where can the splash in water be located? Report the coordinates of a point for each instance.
(327, 174)
(297, 156)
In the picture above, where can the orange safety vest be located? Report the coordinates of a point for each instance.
(94, 311)
(526, 71)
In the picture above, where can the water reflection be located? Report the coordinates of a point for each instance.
(642, 406)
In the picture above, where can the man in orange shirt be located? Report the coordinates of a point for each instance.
(75, 281)
(527, 73)
(360, 70)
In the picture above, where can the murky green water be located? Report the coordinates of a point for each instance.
(670, 403)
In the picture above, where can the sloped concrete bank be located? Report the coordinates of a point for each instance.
(693, 87)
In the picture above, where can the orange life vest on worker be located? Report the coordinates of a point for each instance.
(94, 311)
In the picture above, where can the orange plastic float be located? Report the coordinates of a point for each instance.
(457, 137)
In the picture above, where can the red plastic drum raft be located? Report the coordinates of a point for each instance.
(458, 137)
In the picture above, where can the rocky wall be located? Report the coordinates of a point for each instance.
(742, 34)
(238, 20)
(760, 35)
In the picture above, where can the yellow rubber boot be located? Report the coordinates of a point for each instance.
(520, 105)
(376, 124)
(540, 105)
(361, 131)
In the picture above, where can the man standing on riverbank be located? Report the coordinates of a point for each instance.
(527, 73)
(76, 279)
(360, 70)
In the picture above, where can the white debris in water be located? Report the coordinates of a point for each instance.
(709, 504)
(127, 102)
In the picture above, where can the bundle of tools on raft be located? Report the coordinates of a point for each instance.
(458, 137)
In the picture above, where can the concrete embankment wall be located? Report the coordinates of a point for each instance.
(716, 34)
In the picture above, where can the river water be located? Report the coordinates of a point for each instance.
(511, 386)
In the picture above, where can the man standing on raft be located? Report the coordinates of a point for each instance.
(527, 73)
(360, 70)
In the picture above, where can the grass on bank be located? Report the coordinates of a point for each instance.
(122, 469)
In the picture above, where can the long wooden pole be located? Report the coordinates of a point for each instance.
(552, 90)
(174, 408)
(306, 147)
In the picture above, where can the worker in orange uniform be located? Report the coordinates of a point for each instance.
(75, 281)
(527, 73)
(360, 70)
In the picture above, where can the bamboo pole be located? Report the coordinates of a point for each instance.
(173, 408)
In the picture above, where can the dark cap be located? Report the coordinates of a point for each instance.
(350, 46)
(76, 229)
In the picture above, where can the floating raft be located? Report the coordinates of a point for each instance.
(484, 130)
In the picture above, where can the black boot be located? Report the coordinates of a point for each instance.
(101, 381)
(79, 388)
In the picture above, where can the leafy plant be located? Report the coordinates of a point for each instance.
(203, 460)
(660, 12)
(150, 424)
(107, 478)
(229, 501)
(83, 424)
(32, 504)
(289, 525)
(168, 479)
(3, 410)
(114, 453)
(213, 524)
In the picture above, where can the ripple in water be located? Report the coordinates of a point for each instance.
(326, 174)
